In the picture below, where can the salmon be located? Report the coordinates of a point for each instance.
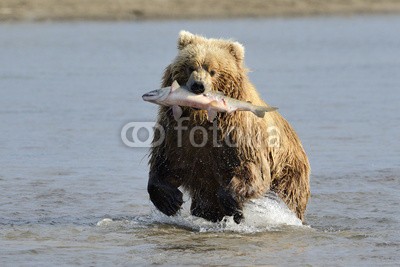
(213, 102)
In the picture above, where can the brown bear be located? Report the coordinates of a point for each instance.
(237, 157)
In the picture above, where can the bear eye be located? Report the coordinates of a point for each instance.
(212, 72)
(191, 69)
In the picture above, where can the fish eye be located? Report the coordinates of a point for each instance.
(212, 72)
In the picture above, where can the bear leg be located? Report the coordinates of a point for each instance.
(230, 205)
(214, 206)
(210, 213)
(294, 190)
(165, 196)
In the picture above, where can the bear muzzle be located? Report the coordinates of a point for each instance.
(197, 88)
(199, 82)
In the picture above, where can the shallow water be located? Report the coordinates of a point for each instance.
(73, 194)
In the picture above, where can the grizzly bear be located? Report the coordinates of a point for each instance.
(236, 158)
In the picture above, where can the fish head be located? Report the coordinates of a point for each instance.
(157, 96)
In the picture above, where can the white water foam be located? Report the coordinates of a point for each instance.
(265, 214)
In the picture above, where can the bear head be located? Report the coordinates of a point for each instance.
(204, 64)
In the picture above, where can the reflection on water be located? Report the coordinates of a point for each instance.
(72, 193)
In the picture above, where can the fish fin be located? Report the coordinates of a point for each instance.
(211, 114)
(175, 85)
(177, 112)
(260, 111)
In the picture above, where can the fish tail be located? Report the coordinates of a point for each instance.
(259, 111)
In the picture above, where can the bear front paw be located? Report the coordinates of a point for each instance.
(229, 204)
(166, 198)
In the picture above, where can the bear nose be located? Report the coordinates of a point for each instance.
(197, 88)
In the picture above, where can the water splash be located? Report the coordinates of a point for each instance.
(266, 214)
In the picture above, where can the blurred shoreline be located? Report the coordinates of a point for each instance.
(111, 10)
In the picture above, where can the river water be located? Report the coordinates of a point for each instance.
(73, 194)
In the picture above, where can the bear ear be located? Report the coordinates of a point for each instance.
(237, 50)
(185, 38)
